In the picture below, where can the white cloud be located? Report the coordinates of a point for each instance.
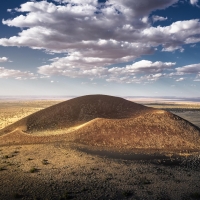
(180, 79)
(149, 67)
(194, 2)
(154, 77)
(189, 69)
(140, 8)
(3, 59)
(94, 2)
(141, 70)
(174, 36)
(94, 37)
(156, 18)
(120, 29)
(193, 69)
(17, 74)
(59, 39)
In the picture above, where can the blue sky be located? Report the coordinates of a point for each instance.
(79, 47)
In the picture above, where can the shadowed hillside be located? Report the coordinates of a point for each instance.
(105, 121)
(78, 111)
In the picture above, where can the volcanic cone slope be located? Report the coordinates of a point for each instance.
(106, 121)
(78, 111)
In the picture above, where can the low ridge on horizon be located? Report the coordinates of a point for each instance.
(104, 121)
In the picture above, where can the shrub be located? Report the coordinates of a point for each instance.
(6, 157)
(17, 196)
(127, 193)
(66, 196)
(2, 168)
(45, 162)
(33, 170)
(144, 180)
(195, 195)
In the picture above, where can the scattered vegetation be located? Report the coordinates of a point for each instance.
(9, 164)
(37, 198)
(2, 168)
(195, 195)
(95, 169)
(33, 170)
(5, 157)
(45, 162)
(65, 196)
(163, 196)
(177, 180)
(149, 192)
(127, 193)
(17, 196)
(144, 181)
(85, 189)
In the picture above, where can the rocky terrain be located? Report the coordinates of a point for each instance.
(59, 171)
(100, 147)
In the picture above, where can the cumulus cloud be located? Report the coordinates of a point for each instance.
(174, 36)
(17, 74)
(156, 18)
(96, 35)
(149, 67)
(193, 70)
(180, 79)
(194, 2)
(189, 69)
(140, 8)
(79, 26)
(3, 59)
(141, 70)
(74, 66)
(116, 30)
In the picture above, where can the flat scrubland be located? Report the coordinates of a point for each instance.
(64, 170)
(12, 111)
(189, 111)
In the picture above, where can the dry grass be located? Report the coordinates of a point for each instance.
(12, 111)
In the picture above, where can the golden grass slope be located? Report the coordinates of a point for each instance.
(105, 121)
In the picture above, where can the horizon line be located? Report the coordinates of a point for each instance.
(57, 97)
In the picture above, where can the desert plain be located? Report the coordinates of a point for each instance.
(68, 170)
